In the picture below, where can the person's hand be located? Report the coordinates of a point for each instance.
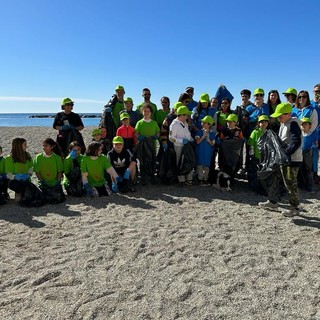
(73, 154)
(185, 141)
(140, 138)
(22, 176)
(114, 187)
(87, 188)
(165, 146)
(126, 175)
(108, 109)
(65, 127)
(119, 179)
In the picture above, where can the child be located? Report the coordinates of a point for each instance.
(310, 143)
(93, 166)
(231, 147)
(48, 167)
(96, 135)
(124, 164)
(180, 135)
(18, 168)
(147, 132)
(205, 140)
(134, 115)
(107, 145)
(127, 132)
(72, 181)
(3, 180)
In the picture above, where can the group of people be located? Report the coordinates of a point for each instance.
(274, 143)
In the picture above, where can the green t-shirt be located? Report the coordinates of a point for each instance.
(17, 167)
(152, 105)
(48, 167)
(95, 169)
(147, 129)
(68, 166)
(2, 166)
(160, 116)
(253, 141)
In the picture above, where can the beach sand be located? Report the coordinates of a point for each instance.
(161, 253)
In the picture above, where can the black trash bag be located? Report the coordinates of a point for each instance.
(123, 186)
(31, 196)
(75, 187)
(3, 199)
(230, 152)
(187, 160)
(252, 175)
(146, 154)
(53, 195)
(168, 166)
(272, 153)
(65, 137)
(305, 170)
(107, 118)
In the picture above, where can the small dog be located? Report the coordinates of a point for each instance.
(220, 180)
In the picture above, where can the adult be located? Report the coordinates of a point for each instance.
(128, 108)
(192, 103)
(291, 95)
(291, 136)
(110, 118)
(69, 125)
(273, 101)
(146, 94)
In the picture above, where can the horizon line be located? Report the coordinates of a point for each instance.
(47, 99)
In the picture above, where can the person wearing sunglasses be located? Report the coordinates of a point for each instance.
(291, 95)
(69, 125)
(146, 94)
(192, 103)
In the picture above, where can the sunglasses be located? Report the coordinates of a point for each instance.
(317, 91)
(69, 104)
(302, 97)
(259, 95)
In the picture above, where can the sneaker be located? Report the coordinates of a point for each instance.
(290, 212)
(95, 192)
(268, 204)
(188, 183)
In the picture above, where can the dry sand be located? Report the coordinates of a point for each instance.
(161, 253)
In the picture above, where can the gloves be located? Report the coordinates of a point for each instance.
(165, 146)
(22, 176)
(73, 154)
(140, 138)
(108, 109)
(155, 137)
(88, 190)
(126, 175)
(119, 179)
(65, 127)
(115, 188)
(185, 141)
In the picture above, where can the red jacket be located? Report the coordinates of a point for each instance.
(127, 133)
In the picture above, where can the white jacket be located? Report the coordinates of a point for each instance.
(179, 131)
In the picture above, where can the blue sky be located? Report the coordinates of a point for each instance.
(83, 49)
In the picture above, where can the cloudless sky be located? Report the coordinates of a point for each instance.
(83, 49)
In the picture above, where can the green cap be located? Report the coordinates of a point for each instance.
(258, 91)
(232, 117)
(263, 117)
(290, 91)
(281, 109)
(177, 105)
(66, 101)
(96, 131)
(204, 98)
(128, 100)
(306, 120)
(124, 116)
(117, 139)
(119, 88)
(183, 110)
(208, 119)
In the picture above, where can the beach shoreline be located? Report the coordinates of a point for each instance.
(163, 252)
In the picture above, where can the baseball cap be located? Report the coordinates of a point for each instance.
(119, 88)
(204, 98)
(96, 131)
(232, 117)
(177, 105)
(128, 100)
(263, 117)
(258, 91)
(208, 119)
(117, 139)
(183, 110)
(306, 120)
(281, 109)
(124, 116)
(290, 91)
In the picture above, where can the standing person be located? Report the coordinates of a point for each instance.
(127, 132)
(147, 132)
(4, 196)
(69, 125)
(290, 134)
(134, 115)
(180, 136)
(48, 167)
(146, 94)
(223, 114)
(72, 181)
(19, 168)
(93, 166)
(110, 118)
(162, 113)
(273, 101)
(192, 103)
(205, 139)
(291, 95)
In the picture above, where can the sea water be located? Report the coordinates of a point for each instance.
(24, 120)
